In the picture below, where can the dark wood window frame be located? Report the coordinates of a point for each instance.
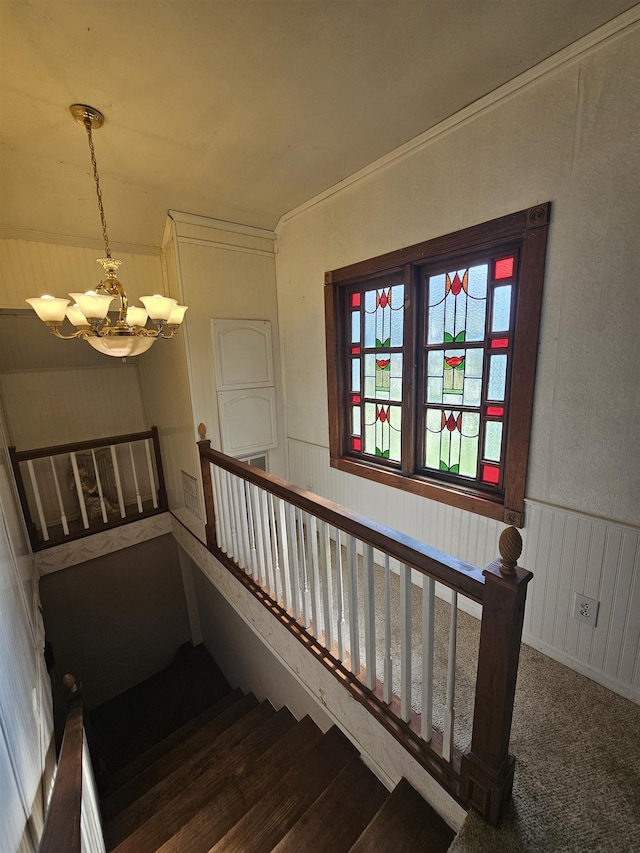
(524, 233)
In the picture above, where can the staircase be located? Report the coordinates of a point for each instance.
(240, 776)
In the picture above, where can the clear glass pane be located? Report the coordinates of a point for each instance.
(355, 327)
(493, 440)
(395, 381)
(355, 420)
(434, 389)
(497, 377)
(435, 333)
(472, 392)
(355, 375)
(501, 308)
(397, 315)
(369, 318)
(370, 428)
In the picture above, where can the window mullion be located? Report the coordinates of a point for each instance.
(411, 416)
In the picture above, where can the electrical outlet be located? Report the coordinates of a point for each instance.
(585, 609)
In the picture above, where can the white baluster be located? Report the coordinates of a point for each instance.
(219, 508)
(292, 534)
(270, 582)
(81, 503)
(405, 643)
(135, 478)
(228, 511)
(428, 626)
(152, 477)
(116, 474)
(63, 517)
(259, 533)
(354, 630)
(252, 530)
(449, 711)
(276, 592)
(340, 596)
(314, 577)
(283, 551)
(243, 524)
(369, 616)
(36, 495)
(302, 558)
(103, 507)
(387, 692)
(235, 533)
(327, 583)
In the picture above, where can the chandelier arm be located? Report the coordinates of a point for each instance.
(54, 328)
(96, 177)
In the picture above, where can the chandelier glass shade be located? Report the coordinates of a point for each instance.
(130, 334)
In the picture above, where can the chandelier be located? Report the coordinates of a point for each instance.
(129, 335)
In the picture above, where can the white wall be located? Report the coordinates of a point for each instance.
(567, 132)
(26, 730)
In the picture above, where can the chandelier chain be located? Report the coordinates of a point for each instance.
(96, 177)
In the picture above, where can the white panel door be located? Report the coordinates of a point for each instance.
(243, 354)
(247, 420)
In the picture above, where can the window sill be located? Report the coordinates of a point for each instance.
(440, 492)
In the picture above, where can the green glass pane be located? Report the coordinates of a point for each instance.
(493, 440)
(501, 309)
(497, 377)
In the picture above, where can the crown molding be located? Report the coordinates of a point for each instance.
(221, 225)
(9, 233)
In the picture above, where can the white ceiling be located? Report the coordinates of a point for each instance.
(240, 109)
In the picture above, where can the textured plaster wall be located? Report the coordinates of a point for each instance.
(570, 136)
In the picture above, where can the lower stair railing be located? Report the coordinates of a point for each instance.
(72, 822)
(73, 490)
(380, 609)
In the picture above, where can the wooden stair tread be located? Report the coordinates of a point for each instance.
(407, 823)
(178, 757)
(335, 820)
(146, 759)
(192, 773)
(169, 818)
(275, 813)
(131, 723)
(240, 792)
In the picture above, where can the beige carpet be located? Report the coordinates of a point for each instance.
(577, 746)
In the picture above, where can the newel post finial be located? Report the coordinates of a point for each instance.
(510, 547)
(71, 686)
(202, 431)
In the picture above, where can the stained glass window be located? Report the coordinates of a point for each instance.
(466, 367)
(376, 347)
(422, 346)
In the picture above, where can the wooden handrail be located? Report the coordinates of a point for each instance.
(76, 447)
(454, 573)
(62, 823)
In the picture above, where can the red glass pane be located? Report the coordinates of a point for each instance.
(496, 343)
(490, 474)
(503, 268)
(356, 443)
(492, 411)
(355, 398)
(355, 350)
(355, 300)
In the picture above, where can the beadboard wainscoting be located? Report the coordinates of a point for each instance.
(568, 552)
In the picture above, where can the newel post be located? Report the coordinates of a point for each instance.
(207, 485)
(486, 773)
